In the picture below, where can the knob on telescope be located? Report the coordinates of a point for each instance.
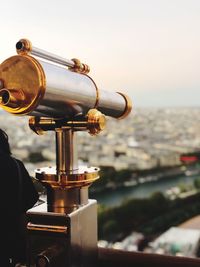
(50, 257)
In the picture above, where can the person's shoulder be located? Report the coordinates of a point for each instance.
(7, 164)
(15, 159)
(5, 158)
(19, 162)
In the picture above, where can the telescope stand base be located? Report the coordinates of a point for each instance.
(62, 240)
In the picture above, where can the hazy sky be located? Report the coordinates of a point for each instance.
(149, 49)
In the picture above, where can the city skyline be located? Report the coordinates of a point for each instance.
(148, 49)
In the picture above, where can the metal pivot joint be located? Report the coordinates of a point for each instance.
(94, 122)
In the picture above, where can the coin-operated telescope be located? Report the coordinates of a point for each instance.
(60, 96)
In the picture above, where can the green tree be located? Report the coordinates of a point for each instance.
(197, 183)
(110, 229)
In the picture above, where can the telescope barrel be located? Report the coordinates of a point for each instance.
(38, 87)
(24, 46)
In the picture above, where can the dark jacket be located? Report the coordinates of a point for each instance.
(10, 207)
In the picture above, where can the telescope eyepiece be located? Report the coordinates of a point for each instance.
(23, 46)
(11, 100)
(19, 45)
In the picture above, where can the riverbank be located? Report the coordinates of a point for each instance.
(146, 184)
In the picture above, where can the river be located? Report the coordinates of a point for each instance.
(116, 197)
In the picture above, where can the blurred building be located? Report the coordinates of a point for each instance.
(132, 242)
(177, 241)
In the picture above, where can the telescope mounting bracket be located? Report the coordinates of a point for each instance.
(67, 183)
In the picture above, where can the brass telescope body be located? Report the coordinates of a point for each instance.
(38, 87)
(59, 96)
